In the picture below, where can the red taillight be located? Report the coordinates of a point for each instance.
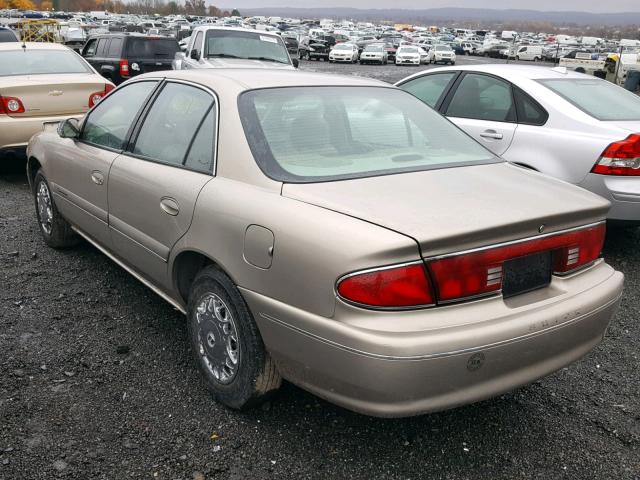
(620, 158)
(396, 287)
(466, 275)
(480, 272)
(124, 68)
(10, 105)
(95, 97)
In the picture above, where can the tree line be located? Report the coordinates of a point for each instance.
(143, 7)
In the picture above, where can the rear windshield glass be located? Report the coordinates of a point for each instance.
(7, 35)
(40, 62)
(311, 134)
(248, 45)
(598, 98)
(153, 47)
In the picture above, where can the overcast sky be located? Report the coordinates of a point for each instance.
(552, 5)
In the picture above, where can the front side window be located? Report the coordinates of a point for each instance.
(172, 122)
(90, 49)
(598, 98)
(325, 133)
(41, 62)
(482, 97)
(429, 88)
(247, 45)
(109, 122)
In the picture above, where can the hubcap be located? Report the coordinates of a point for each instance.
(45, 209)
(218, 344)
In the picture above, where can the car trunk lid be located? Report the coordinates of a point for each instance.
(450, 210)
(44, 95)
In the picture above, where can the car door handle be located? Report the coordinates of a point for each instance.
(97, 178)
(170, 206)
(491, 134)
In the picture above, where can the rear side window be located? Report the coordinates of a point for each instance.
(102, 46)
(529, 111)
(153, 47)
(173, 120)
(200, 156)
(115, 47)
(429, 88)
(109, 122)
(598, 98)
(482, 97)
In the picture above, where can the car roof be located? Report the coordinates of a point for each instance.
(242, 79)
(32, 46)
(508, 71)
(235, 29)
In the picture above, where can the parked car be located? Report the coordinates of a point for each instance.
(374, 53)
(40, 83)
(530, 52)
(344, 52)
(118, 57)
(391, 50)
(443, 54)
(213, 47)
(575, 127)
(318, 49)
(408, 56)
(292, 46)
(424, 55)
(8, 35)
(439, 275)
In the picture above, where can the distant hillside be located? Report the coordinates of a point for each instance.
(436, 15)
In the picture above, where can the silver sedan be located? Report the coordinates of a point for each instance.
(574, 127)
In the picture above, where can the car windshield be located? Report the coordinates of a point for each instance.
(443, 48)
(247, 45)
(153, 47)
(408, 50)
(305, 134)
(598, 98)
(40, 62)
(343, 46)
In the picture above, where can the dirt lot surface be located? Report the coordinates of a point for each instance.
(97, 382)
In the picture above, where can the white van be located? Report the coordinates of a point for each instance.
(530, 52)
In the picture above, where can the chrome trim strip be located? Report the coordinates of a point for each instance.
(512, 242)
(442, 354)
(132, 272)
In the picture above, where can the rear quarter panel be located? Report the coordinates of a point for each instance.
(313, 246)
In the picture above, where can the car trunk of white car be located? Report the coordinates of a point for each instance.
(42, 95)
(454, 209)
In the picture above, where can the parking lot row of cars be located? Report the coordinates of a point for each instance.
(347, 235)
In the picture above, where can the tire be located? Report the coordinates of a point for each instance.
(453, 63)
(55, 230)
(255, 375)
(536, 59)
(517, 58)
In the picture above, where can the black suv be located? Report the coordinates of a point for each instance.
(121, 56)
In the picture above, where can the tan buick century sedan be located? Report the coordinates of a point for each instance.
(332, 231)
(39, 83)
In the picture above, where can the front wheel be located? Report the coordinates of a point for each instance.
(55, 230)
(226, 343)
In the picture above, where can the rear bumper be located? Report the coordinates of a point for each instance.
(622, 192)
(403, 373)
(15, 132)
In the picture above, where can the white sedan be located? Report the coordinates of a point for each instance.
(344, 52)
(408, 56)
(572, 126)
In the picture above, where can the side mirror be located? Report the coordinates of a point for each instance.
(195, 54)
(295, 62)
(70, 128)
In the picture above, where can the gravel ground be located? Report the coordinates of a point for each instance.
(96, 382)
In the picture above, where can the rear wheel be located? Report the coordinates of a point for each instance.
(226, 342)
(56, 231)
